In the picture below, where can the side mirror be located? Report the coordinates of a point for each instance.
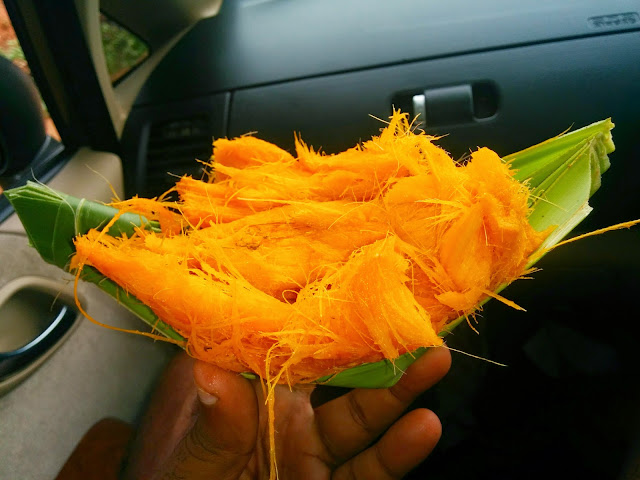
(22, 131)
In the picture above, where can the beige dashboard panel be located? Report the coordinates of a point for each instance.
(88, 174)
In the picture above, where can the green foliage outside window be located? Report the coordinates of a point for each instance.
(122, 49)
(13, 52)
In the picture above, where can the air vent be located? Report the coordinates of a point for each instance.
(174, 149)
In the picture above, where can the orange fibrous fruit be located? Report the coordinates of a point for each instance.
(299, 266)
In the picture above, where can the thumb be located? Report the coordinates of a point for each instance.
(223, 437)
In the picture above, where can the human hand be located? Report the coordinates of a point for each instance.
(216, 428)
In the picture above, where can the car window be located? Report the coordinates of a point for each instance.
(10, 48)
(123, 50)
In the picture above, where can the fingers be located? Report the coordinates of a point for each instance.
(351, 422)
(407, 443)
(223, 438)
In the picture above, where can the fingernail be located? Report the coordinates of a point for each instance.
(206, 398)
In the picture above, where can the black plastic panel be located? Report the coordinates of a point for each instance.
(542, 90)
(203, 117)
(252, 42)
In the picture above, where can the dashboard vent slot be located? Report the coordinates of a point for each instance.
(173, 150)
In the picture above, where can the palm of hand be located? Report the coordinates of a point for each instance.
(226, 436)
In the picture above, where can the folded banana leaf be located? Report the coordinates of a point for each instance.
(562, 172)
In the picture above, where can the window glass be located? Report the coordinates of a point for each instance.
(122, 49)
(10, 48)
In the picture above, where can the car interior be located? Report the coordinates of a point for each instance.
(500, 74)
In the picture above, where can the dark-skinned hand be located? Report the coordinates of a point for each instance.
(208, 423)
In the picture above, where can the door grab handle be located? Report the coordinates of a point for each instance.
(455, 104)
(13, 361)
(36, 316)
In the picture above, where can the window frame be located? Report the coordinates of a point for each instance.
(66, 76)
